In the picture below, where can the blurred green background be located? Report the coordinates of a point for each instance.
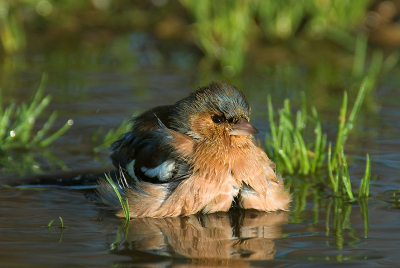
(232, 36)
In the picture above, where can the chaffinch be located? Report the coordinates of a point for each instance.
(198, 155)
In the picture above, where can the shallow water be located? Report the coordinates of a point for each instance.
(100, 90)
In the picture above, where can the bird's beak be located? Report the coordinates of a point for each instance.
(243, 127)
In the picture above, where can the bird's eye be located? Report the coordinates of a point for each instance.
(218, 119)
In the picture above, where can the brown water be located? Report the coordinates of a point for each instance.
(100, 89)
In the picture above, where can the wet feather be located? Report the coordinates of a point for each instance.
(197, 156)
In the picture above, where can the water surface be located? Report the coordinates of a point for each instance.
(100, 89)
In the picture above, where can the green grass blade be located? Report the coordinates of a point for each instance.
(303, 110)
(303, 154)
(1, 102)
(5, 119)
(339, 138)
(334, 182)
(112, 135)
(360, 54)
(299, 120)
(376, 63)
(346, 177)
(286, 160)
(40, 134)
(124, 206)
(364, 186)
(62, 223)
(31, 112)
(285, 146)
(57, 134)
(322, 150)
(287, 109)
(126, 211)
(39, 93)
(356, 108)
(318, 140)
(50, 223)
(271, 121)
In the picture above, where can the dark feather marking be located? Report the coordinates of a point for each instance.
(149, 148)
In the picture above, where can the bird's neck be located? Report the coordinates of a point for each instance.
(220, 155)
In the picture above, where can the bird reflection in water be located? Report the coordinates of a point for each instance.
(217, 237)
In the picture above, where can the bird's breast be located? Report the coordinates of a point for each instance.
(219, 161)
(244, 163)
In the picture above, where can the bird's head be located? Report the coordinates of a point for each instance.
(217, 111)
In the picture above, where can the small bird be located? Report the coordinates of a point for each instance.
(196, 156)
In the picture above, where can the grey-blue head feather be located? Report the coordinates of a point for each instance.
(217, 97)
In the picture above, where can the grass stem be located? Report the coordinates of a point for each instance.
(124, 205)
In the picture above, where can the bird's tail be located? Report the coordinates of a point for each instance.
(112, 193)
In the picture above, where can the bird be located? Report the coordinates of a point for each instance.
(198, 155)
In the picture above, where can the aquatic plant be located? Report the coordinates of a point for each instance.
(62, 227)
(287, 147)
(286, 144)
(17, 122)
(111, 136)
(313, 167)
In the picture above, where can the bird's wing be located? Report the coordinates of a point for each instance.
(149, 155)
